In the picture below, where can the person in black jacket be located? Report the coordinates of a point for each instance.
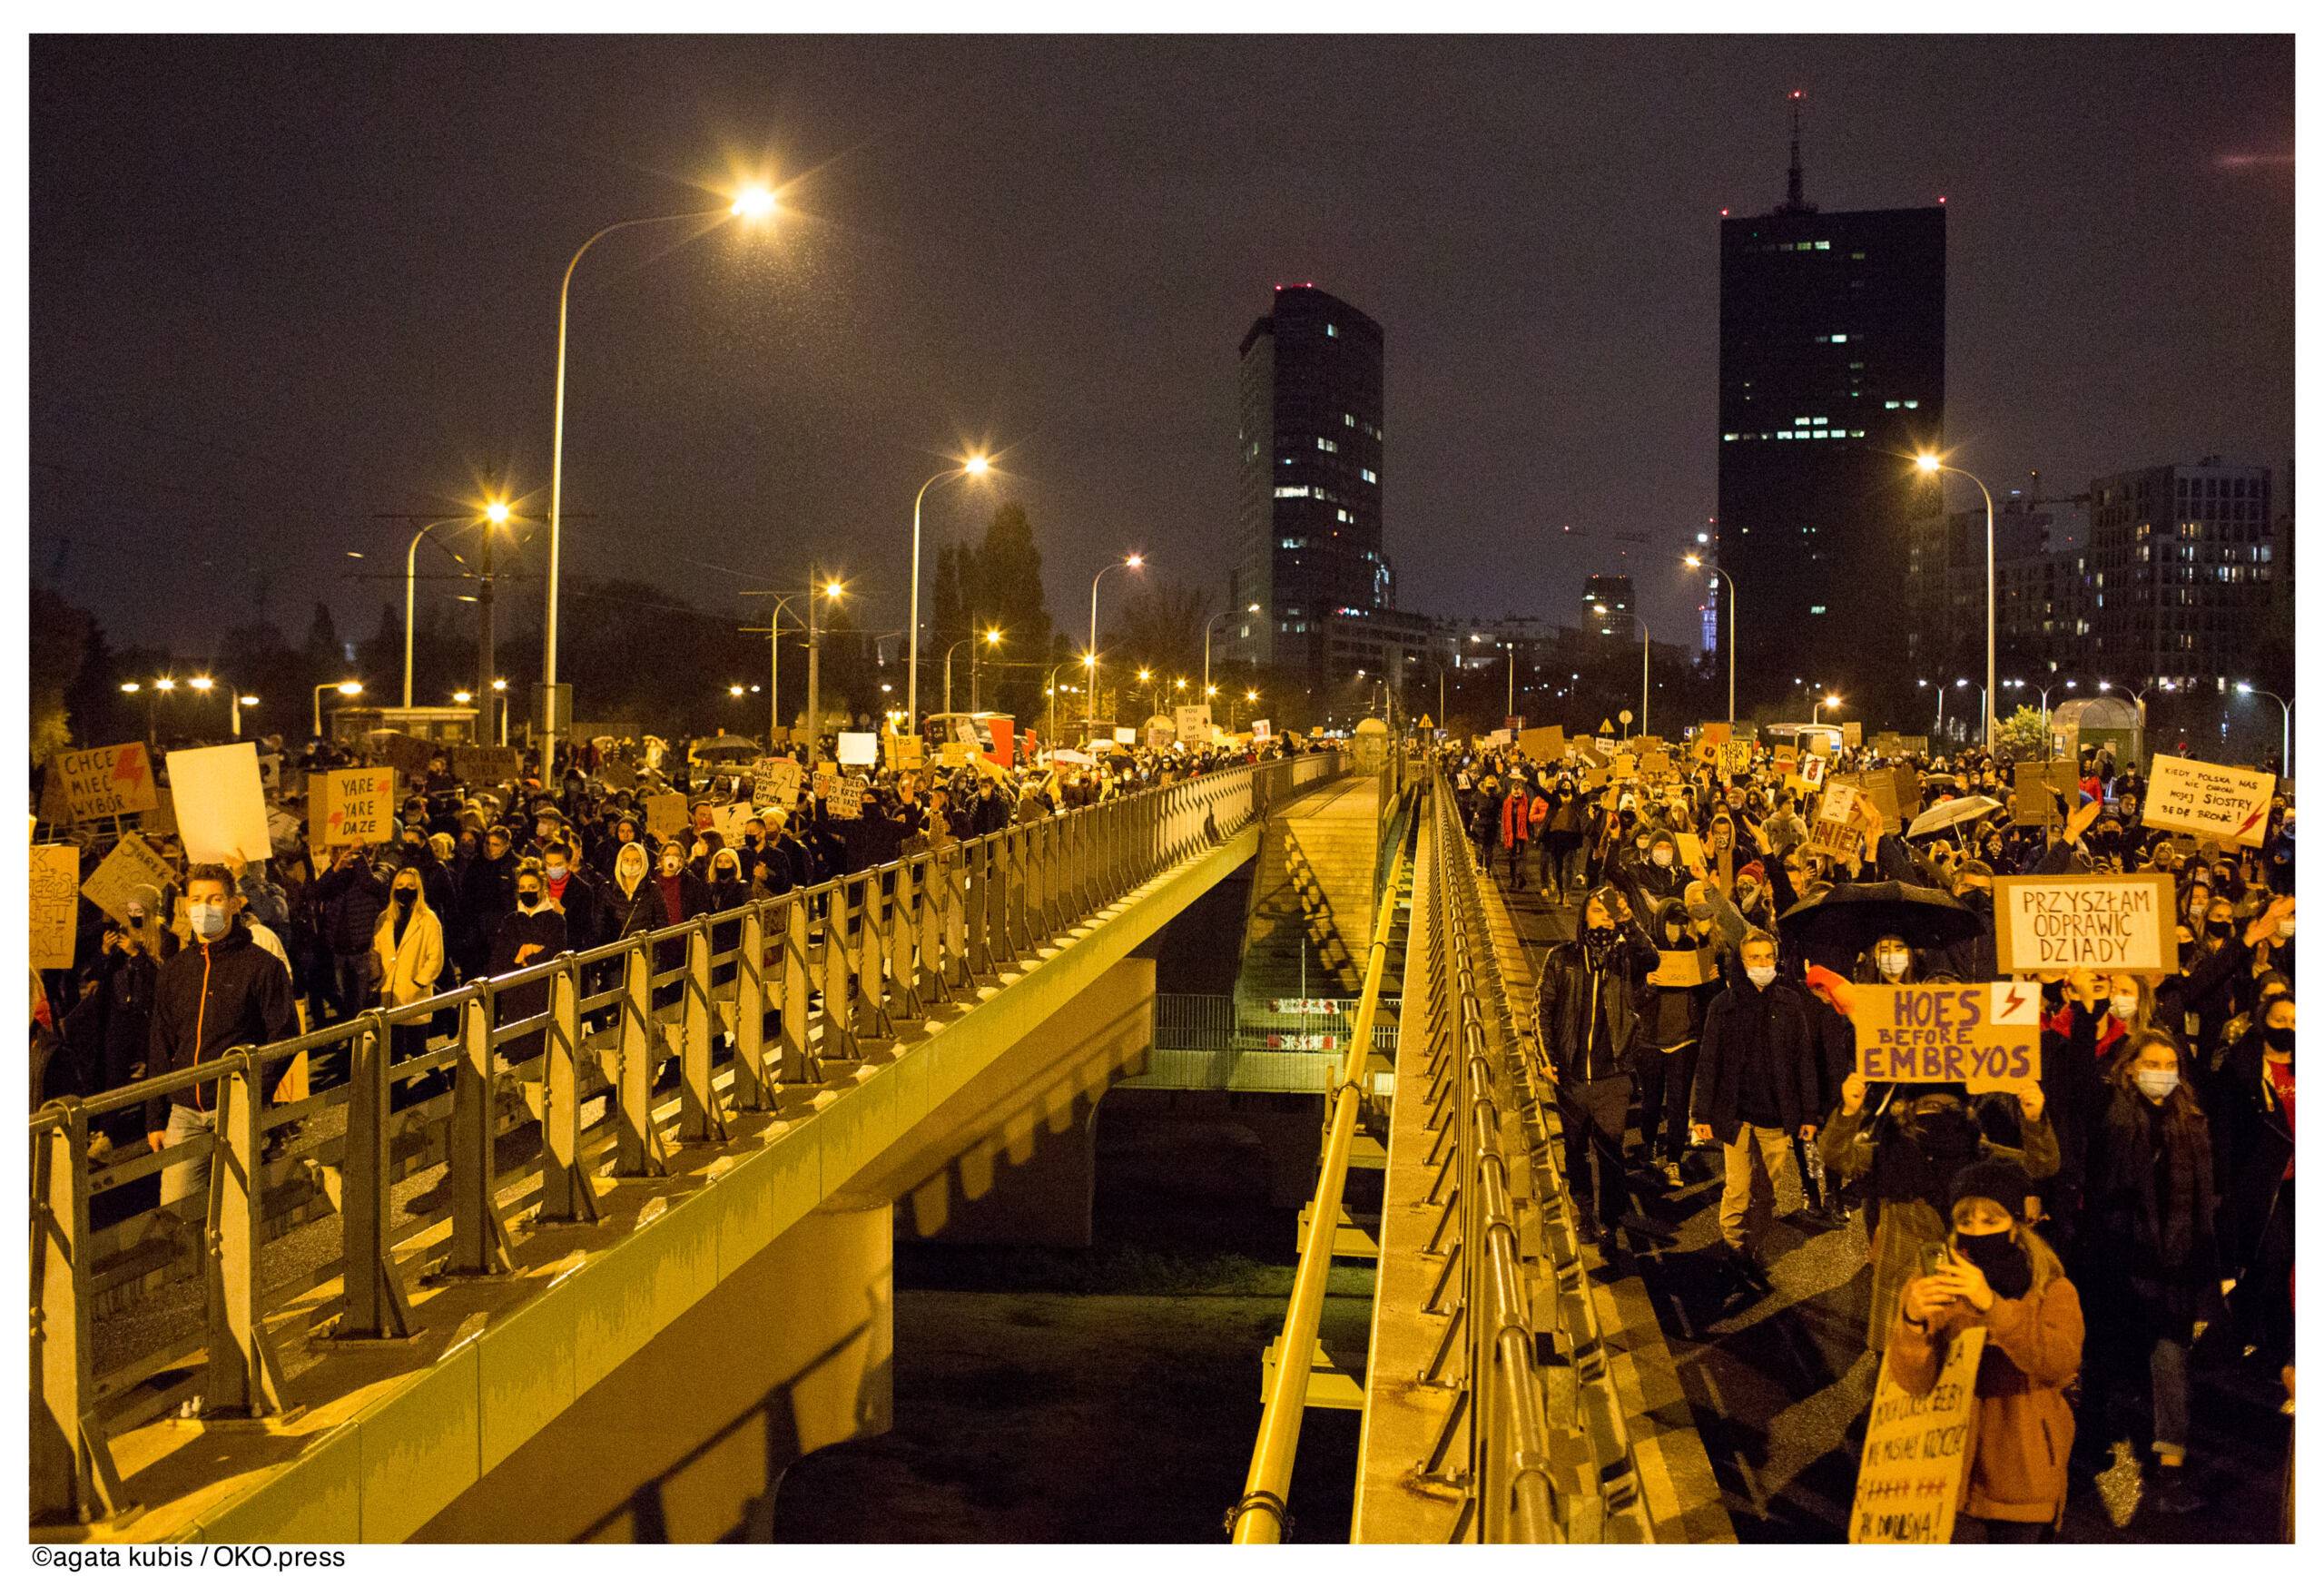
(1670, 1037)
(487, 895)
(222, 991)
(528, 934)
(1587, 1009)
(1752, 1085)
(2251, 1100)
(349, 898)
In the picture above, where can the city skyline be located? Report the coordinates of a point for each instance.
(2120, 290)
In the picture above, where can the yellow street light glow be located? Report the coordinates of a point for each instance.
(833, 589)
(1253, 608)
(733, 689)
(1693, 562)
(1929, 463)
(992, 637)
(462, 697)
(165, 686)
(1143, 675)
(1181, 684)
(976, 465)
(130, 688)
(496, 512)
(500, 684)
(351, 686)
(201, 683)
(1250, 694)
(1135, 561)
(1210, 689)
(752, 203)
(1089, 659)
(250, 701)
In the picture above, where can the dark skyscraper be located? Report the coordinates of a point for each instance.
(1831, 376)
(1310, 433)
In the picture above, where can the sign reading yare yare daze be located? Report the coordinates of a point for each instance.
(1916, 1449)
(2226, 803)
(1987, 1036)
(113, 780)
(356, 806)
(2120, 925)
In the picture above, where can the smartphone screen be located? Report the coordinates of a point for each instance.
(1933, 1258)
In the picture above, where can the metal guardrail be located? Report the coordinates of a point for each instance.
(1534, 1443)
(835, 965)
(1262, 1517)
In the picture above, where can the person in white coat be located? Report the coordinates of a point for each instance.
(410, 946)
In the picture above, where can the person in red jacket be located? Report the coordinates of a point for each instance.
(1516, 826)
(1997, 1273)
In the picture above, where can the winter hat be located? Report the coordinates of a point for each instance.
(2003, 1182)
(1754, 870)
(1831, 987)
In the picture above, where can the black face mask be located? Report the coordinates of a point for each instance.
(2278, 1038)
(406, 897)
(1598, 944)
(2219, 928)
(2009, 1269)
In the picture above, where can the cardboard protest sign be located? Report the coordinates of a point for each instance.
(483, 763)
(351, 807)
(727, 822)
(774, 779)
(2119, 924)
(1684, 967)
(113, 780)
(1785, 755)
(846, 800)
(1655, 764)
(1129, 735)
(55, 891)
(1840, 825)
(1811, 772)
(131, 864)
(665, 814)
(221, 805)
(1916, 1449)
(1625, 766)
(1894, 791)
(951, 755)
(1261, 728)
(1690, 849)
(906, 752)
(618, 773)
(1735, 756)
(2034, 803)
(1987, 1036)
(1543, 744)
(1852, 735)
(1193, 723)
(2223, 802)
(859, 749)
(408, 756)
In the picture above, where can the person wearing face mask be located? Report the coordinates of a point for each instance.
(410, 942)
(1999, 1275)
(2146, 1249)
(1586, 1013)
(1906, 1148)
(2251, 1101)
(1516, 827)
(1565, 829)
(531, 933)
(221, 991)
(1888, 963)
(1658, 878)
(1754, 1083)
(486, 890)
(634, 902)
(2197, 1002)
(1670, 1027)
(348, 899)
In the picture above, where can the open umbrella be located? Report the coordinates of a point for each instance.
(1951, 813)
(1834, 928)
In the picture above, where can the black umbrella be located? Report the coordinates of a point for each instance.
(1834, 928)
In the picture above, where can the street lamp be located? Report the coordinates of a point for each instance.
(348, 687)
(990, 638)
(2138, 697)
(1135, 561)
(1694, 561)
(500, 704)
(1206, 639)
(831, 590)
(974, 466)
(1935, 466)
(755, 204)
(2283, 762)
(1645, 667)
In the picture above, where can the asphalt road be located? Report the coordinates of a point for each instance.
(1779, 1384)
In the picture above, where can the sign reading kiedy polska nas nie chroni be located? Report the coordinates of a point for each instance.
(2117, 924)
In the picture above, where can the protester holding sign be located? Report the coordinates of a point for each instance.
(1586, 1011)
(1753, 1087)
(1999, 1277)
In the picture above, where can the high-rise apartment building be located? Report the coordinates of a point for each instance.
(1612, 593)
(1831, 374)
(1310, 432)
(2181, 572)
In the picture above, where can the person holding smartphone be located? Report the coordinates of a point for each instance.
(1996, 1272)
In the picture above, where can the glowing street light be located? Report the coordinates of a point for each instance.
(973, 466)
(1934, 466)
(1695, 561)
(1135, 561)
(2283, 762)
(350, 688)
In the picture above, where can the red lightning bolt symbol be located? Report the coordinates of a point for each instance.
(2014, 999)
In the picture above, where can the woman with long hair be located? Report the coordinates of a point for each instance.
(2148, 1250)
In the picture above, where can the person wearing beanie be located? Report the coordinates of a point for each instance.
(1996, 1274)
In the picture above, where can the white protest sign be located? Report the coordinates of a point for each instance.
(859, 749)
(1193, 723)
(2117, 924)
(2227, 803)
(1262, 729)
(1916, 1449)
(847, 798)
(774, 781)
(1125, 737)
(220, 803)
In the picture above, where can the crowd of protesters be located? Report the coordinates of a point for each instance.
(2096, 1226)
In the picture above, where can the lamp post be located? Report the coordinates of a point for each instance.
(1051, 688)
(754, 203)
(348, 687)
(1206, 640)
(1923, 684)
(974, 466)
(1645, 665)
(2138, 697)
(411, 601)
(500, 707)
(2283, 761)
(992, 637)
(1694, 561)
(989, 638)
(1135, 561)
(831, 590)
(1935, 466)
(235, 699)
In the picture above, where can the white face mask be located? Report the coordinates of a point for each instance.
(1662, 857)
(1892, 965)
(2156, 1083)
(2124, 1007)
(1761, 978)
(209, 920)
(555, 869)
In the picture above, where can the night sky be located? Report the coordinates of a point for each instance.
(280, 286)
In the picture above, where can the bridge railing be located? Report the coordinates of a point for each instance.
(548, 1068)
(1535, 1443)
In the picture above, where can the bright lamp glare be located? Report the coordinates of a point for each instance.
(1929, 463)
(754, 202)
(976, 465)
(1135, 561)
(351, 686)
(496, 512)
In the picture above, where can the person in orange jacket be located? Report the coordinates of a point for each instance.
(1997, 1273)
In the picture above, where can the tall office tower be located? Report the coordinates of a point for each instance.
(1831, 375)
(2182, 573)
(1612, 593)
(1310, 433)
